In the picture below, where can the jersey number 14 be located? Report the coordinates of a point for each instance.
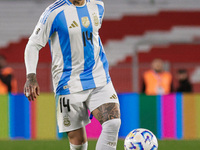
(64, 103)
(87, 37)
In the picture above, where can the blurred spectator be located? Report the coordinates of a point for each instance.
(7, 81)
(184, 83)
(156, 80)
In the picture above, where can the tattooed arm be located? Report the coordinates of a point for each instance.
(31, 87)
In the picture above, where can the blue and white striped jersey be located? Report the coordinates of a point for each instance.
(78, 58)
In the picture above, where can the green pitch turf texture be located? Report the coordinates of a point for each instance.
(63, 145)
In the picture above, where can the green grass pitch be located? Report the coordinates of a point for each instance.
(63, 145)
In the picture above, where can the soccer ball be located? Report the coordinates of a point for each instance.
(140, 139)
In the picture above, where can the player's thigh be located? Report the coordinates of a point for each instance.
(72, 113)
(104, 103)
(106, 112)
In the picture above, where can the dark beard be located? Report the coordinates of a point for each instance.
(76, 2)
(158, 71)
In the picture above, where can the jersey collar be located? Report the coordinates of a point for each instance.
(68, 2)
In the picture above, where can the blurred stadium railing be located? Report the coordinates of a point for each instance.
(126, 27)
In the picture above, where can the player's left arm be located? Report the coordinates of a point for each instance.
(31, 55)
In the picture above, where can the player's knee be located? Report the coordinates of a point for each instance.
(79, 147)
(77, 137)
(77, 140)
(112, 125)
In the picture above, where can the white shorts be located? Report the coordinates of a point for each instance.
(72, 109)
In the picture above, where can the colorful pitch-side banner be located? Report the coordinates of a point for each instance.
(4, 133)
(173, 116)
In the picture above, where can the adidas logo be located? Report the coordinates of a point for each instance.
(74, 24)
(114, 96)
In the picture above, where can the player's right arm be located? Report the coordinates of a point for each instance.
(31, 87)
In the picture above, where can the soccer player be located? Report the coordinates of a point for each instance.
(79, 70)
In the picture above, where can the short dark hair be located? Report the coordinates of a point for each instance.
(182, 71)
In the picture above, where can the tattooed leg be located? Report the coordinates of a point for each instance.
(106, 112)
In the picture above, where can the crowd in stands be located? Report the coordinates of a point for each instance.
(8, 82)
(157, 81)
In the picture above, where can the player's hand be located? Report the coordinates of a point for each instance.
(31, 87)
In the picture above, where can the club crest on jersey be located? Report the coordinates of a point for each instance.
(85, 21)
(96, 20)
(66, 121)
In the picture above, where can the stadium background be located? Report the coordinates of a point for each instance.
(134, 32)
